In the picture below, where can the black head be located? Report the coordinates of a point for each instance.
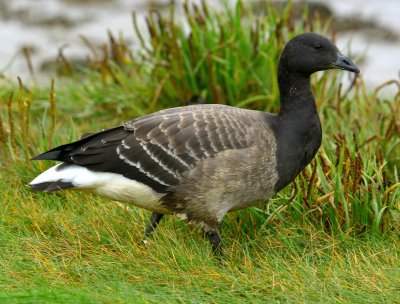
(310, 52)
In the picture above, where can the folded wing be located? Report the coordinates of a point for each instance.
(156, 149)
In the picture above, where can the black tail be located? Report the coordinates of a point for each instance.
(63, 152)
(51, 186)
(58, 153)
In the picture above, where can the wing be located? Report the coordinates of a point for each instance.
(157, 148)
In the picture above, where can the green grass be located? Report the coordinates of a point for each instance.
(332, 236)
(61, 247)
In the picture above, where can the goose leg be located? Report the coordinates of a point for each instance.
(215, 241)
(155, 218)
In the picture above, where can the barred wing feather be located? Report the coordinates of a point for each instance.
(157, 148)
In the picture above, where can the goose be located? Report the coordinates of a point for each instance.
(202, 161)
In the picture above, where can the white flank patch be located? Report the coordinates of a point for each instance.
(111, 185)
(183, 216)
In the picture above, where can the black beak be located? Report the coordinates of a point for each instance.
(344, 63)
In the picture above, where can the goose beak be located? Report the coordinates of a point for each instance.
(344, 63)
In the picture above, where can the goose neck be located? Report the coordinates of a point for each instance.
(295, 92)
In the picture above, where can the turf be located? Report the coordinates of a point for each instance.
(73, 248)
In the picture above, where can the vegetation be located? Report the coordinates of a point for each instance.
(332, 236)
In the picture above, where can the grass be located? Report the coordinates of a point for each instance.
(332, 236)
(67, 247)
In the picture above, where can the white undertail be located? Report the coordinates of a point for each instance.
(111, 185)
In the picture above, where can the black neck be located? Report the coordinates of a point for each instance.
(298, 129)
(295, 92)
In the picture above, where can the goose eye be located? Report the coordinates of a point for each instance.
(317, 46)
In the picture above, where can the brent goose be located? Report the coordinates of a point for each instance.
(202, 161)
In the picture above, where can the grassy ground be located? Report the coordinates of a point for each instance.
(60, 249)
(332, 236)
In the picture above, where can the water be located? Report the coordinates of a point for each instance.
(381, 55)
(45, 26)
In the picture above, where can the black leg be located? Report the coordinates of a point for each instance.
(215, 241)
(155, 218)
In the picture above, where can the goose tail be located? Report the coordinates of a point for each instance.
(56, 178)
